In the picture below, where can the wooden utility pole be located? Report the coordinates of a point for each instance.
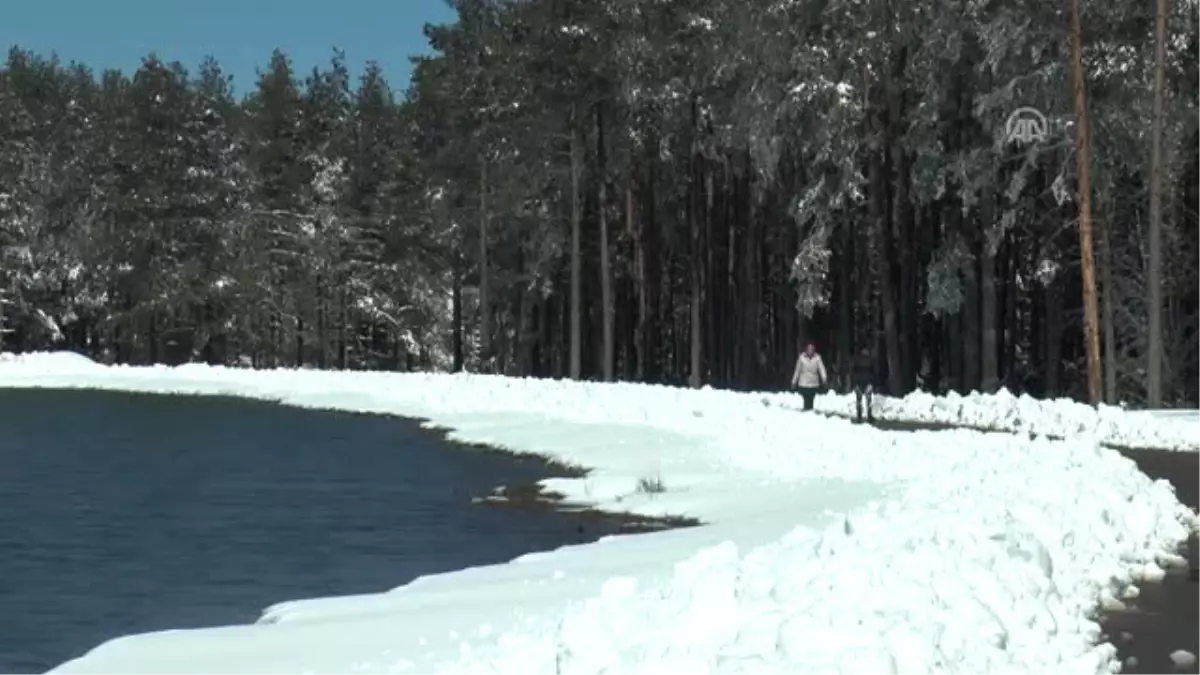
(1154, 393)
(1091, 305)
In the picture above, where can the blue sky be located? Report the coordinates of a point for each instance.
(239, 33)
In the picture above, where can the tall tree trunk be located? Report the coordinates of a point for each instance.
(969, 316)
(899, 233)
(695, 259)
(989, 372)
(696, 332)
(878, 118)
(932, 325)
(734, 226)
(560, 327)
(989, 350)
(1154, 351)
(537, 338)
(485, 313)
(343, 348)
(900, 239)
(657, 273)
(1053, 338)
(969, 326)
(845, 312)
(608, 321)
(456, 311)
(1037, 323)
(1013, 318)
(749, 281)
(1091, 308)
(525, 336)
(152, 337)
(501, 350)
(634, 231)
(887, 300)
(1107, 298)
(866, 319)
(576, 263)
(322, 322)
(952, 216)
(299, 341)
(706, 261)
(911, 240)
(713, 290)
(546, 356)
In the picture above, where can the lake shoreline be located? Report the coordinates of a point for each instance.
(195, 511)
(534, 496)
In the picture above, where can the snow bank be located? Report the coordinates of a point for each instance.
(48, 362)
(1002, 411)
(831, 546)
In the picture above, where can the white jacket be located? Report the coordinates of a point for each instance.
(810, 372)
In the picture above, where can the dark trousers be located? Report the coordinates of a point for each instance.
(863, 391)
(809, 393)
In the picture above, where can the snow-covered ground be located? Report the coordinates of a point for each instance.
(829, 546)
(1002, 411)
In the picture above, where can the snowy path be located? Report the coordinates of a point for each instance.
(1162, 620)
(831, 546)
(1002, 411)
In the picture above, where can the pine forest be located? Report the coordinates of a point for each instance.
(675, 192)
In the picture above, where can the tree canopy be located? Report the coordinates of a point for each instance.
(668, 192)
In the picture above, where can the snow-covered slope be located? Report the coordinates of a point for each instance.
(830, 546)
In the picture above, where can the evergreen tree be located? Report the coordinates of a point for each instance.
(667, 192)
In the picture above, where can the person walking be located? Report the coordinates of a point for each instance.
(809, 376)
(864, 379)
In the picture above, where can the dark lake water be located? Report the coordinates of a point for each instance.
(128, 513)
